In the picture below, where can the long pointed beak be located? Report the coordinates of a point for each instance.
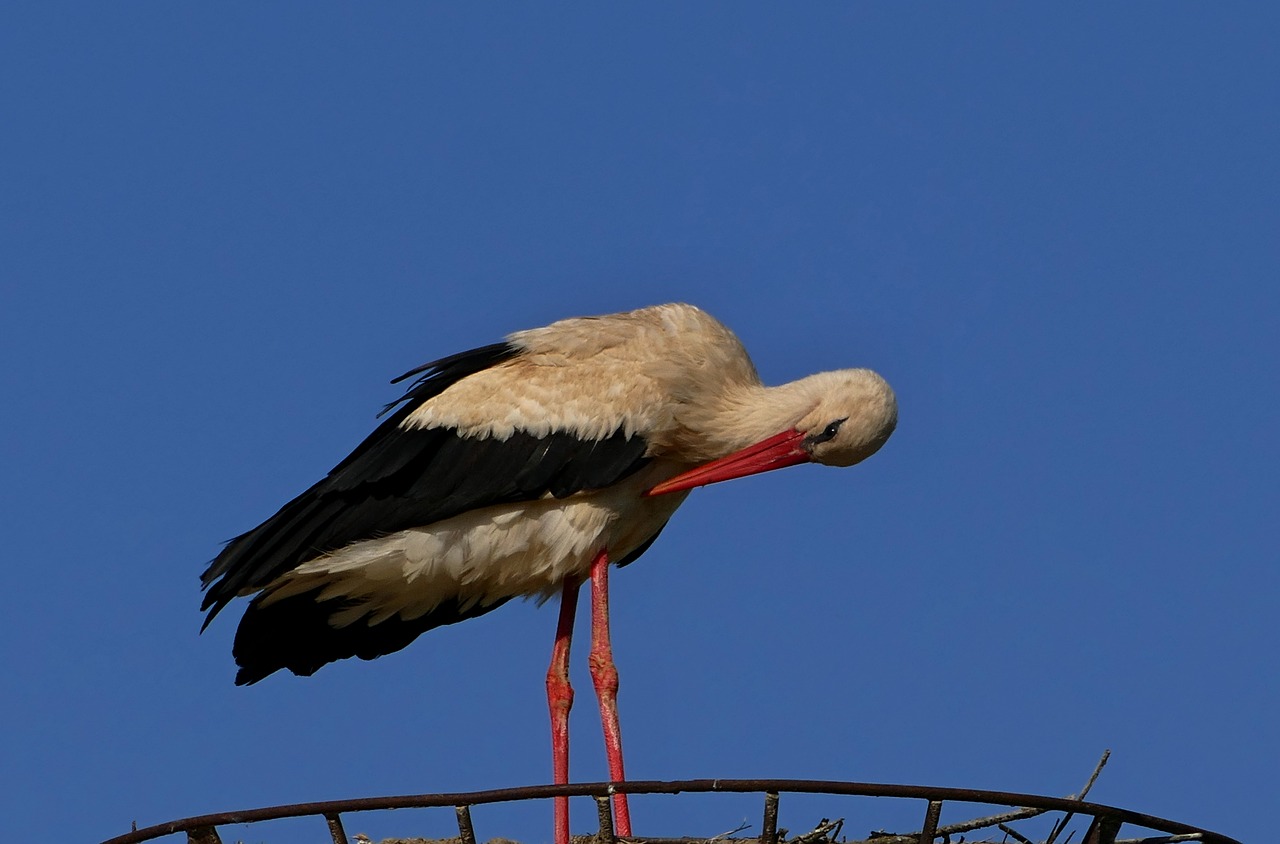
(777, 452)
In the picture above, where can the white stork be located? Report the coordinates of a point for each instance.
(522, 469)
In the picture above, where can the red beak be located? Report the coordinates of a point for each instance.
(777, 452)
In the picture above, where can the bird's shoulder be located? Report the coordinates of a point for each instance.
(593, 376)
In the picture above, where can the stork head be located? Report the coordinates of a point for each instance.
(835, 418)
(853, 415)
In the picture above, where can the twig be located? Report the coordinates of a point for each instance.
(1106, 754)
(991, 820)
(1002, 818)
(962, 826)
(739, 828)
(824, 831)
(1066, 819)
(1017, 836)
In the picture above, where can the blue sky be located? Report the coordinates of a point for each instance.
(1054, 230)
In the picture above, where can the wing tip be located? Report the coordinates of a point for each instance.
(434, 376)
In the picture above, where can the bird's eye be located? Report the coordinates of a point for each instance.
(828, 433)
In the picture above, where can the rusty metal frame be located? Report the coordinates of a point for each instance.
(1104, 825)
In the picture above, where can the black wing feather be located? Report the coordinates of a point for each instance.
(394, 480)
(295, 633)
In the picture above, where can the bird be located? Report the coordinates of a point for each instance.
(524, 469)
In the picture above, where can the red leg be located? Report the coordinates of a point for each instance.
(605, 676)
(560, 701)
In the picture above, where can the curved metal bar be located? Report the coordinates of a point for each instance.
(539, 792)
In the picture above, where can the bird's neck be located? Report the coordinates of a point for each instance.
(742, 415)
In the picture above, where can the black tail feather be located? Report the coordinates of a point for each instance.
(295, 633)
